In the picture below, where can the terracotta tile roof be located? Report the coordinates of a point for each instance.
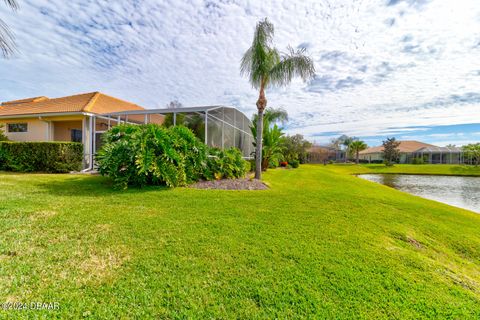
(405, 146)
(34, 99)
(94, 102)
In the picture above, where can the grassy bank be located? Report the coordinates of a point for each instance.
(320, 244)
(434, 169)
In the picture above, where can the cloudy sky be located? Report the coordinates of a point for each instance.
(404, 68)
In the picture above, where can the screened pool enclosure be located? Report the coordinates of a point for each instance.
(218, 126)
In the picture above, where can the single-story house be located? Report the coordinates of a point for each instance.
(84, 117)
(68, 118)
(410, 150)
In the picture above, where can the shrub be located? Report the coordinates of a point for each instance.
(294, 163)
(472, 153)
(143, 155)
(248, 166)
(388, 163)
(156, 155)
(295, 148)
(54, 157)
(226, 163)
(418, 160)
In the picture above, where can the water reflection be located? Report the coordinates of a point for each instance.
(463, 192)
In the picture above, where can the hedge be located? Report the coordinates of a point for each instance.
(58, 157)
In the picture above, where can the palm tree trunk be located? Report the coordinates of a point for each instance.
(357, 156)
(261, 104)
(258, 150)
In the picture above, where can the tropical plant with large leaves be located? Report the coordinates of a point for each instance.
(265, 66)
(150, 154)
(271, 145)
(7, 43)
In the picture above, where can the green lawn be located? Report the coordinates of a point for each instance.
(434, 169)
(321, 243)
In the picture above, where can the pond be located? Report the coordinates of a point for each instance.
(462, 192)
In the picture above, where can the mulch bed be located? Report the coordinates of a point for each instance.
(231, 184)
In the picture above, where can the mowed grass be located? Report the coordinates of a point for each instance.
(321, 243)
(428, 169)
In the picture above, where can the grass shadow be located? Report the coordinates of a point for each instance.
(84, 186)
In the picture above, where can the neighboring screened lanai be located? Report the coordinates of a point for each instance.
(445, 155)
(217, 126)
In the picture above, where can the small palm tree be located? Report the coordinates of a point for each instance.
(355, 147)
(266, 67)
(7, 45)
(272, 134)
(347, 141)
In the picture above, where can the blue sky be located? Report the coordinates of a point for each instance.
(403, 68)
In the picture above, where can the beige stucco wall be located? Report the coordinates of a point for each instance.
(44, 129)
(371, 156)
(38, 130)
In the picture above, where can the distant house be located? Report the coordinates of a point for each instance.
(410, 150)
(321, 154)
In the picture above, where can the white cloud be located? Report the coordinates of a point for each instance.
(381, 68)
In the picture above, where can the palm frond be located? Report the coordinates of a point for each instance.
(260, 57)
(273, 115)
(292, 64)
(264, 32)
(358, 145)
(12, 4)
(7, 44)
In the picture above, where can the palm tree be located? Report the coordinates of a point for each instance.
(347, 141)
(7, 45)
(355, 147)
(265, 67)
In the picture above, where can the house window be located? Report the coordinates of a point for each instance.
(17, 127)
(76, 135)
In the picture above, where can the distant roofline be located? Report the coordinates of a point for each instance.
(379, 149)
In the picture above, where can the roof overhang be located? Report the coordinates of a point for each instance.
(47, 114)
